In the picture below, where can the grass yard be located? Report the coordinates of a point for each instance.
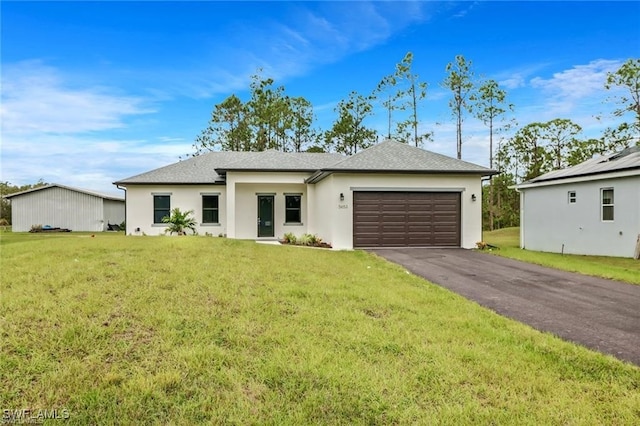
(616, 268)
(191, 330)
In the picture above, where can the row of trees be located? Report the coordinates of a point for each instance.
(540, 147)
(271, 119)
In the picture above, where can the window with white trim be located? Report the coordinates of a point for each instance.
(572, 197)
(607, 204)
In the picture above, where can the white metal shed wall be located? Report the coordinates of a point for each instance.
(113, 212)
(57, 207)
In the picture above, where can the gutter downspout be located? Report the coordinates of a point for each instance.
(521, 217)
(482, 179)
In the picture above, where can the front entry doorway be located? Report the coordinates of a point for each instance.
(265, 216)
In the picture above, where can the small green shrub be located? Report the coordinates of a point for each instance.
(289, 238)
(305, 240)
(180, 221)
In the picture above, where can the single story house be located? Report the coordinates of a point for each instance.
(389, 195)
(63, 206)
(592, 208)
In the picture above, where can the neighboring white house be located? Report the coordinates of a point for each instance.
(592, 208)
(389, 195)
(63, 206)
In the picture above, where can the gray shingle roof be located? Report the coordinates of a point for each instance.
(200, 169)
(70, 188)
(206, 168)
(627, 159)
(285, 161)
(387, 156)
(391, 156)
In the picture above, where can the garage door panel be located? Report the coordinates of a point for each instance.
(393, 217)
(390, 208)
(420, 216)
(406, 219)
(419, 229)
(413, 208)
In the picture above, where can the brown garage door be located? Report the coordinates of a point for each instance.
(406, 219)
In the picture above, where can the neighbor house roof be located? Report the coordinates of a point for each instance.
(70, 188)
(626, 160)
(387, 156)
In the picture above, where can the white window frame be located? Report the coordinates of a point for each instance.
(572, 197)
(608, 205)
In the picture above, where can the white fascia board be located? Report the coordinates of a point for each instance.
(578, 179)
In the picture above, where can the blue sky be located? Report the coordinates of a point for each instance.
(96, 92)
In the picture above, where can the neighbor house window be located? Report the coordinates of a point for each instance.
(292, 208)
(210, 209)
(607, 204)
(161, 207)
(572, 197)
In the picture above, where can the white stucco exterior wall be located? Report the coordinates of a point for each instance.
(322, 211)
(325, 205)
(548, 222)
(242, 203)
(186, 197)
(335, 217)
(246, 211)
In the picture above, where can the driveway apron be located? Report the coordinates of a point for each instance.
(600, 314)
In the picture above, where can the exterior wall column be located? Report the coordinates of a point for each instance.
(231, 206)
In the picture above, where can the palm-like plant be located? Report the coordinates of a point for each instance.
(179, 222)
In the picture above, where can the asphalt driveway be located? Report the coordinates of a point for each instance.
(600, 314)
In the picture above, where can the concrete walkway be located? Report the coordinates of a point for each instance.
(600, 314)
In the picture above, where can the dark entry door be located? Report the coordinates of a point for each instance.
(265, 216)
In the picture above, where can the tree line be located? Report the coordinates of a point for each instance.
(271, 119)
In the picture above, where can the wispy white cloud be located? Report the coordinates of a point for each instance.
(83, 161)
(468, 6)
(515, 81)
(307, 37)
(520, 76)
(582, 83)
(55, 129)
(36, 99)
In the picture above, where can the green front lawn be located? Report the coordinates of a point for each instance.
(196, 330)
(616, 268)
